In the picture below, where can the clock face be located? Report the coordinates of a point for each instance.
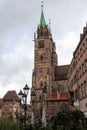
(41, 44)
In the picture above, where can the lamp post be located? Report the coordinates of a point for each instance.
(77, 104)
(41, 100)
(71, 93)
(85, 119)
(33, 97)
(23, 99)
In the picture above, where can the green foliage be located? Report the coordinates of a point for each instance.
(68, 120)
(64, 120)
(38, 124)
(8, 124)
(30, 127)
(49, 126)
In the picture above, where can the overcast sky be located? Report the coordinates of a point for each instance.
(18, 22)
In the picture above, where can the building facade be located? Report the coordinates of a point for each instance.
(10, 105)
(78, 73)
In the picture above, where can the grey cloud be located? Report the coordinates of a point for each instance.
(19, 20)
(15, 13)
(16, 70)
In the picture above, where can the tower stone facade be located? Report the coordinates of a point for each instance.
(47, 77)
(45, 58)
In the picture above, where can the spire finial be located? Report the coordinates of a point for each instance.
(42, 3)
(49, 21)
(50, 29)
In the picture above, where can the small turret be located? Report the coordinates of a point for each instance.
(49, 28)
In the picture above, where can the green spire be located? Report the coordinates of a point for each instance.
(42, 19)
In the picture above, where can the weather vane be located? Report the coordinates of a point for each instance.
(49, 21)
(42, 3)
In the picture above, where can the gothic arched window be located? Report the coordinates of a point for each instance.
(41, 83)
(40, 97)
(41, 44)
(45, 87)
(41, 57)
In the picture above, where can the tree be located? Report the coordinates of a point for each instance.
(68, 120)
(37, 124)
(8, 124)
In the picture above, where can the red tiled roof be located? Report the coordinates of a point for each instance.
(61, 72)
(11, 96)
(59, 97)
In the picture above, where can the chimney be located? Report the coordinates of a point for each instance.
(81, 36)
(84, 30)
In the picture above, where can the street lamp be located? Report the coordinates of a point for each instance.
(26, 89)
(23, 99)
(41, 99)
(85, 120)
(85, 113)
(76, 104)
(71, 93)
(20, 94)
(33, 97)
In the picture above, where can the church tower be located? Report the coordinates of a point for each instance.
(45, 59)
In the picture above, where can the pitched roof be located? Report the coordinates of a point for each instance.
(11, 96)
(61, 72)
(1, 102)
(59, 97)
(82, 36)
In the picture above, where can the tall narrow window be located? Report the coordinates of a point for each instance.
(85, 87)
(76, 94)
(83, 90)
(41, 44)
(41, 84)
(86, 64)
(41, 57)
(80, 92)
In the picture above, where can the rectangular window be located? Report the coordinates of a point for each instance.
(86, 104)
(86, 64)
(80, 92)
(83, 90)
(82, 68)
(85, 86)
(76, 94)
(80, 72)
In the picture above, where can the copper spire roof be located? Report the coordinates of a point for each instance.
(42, 19)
